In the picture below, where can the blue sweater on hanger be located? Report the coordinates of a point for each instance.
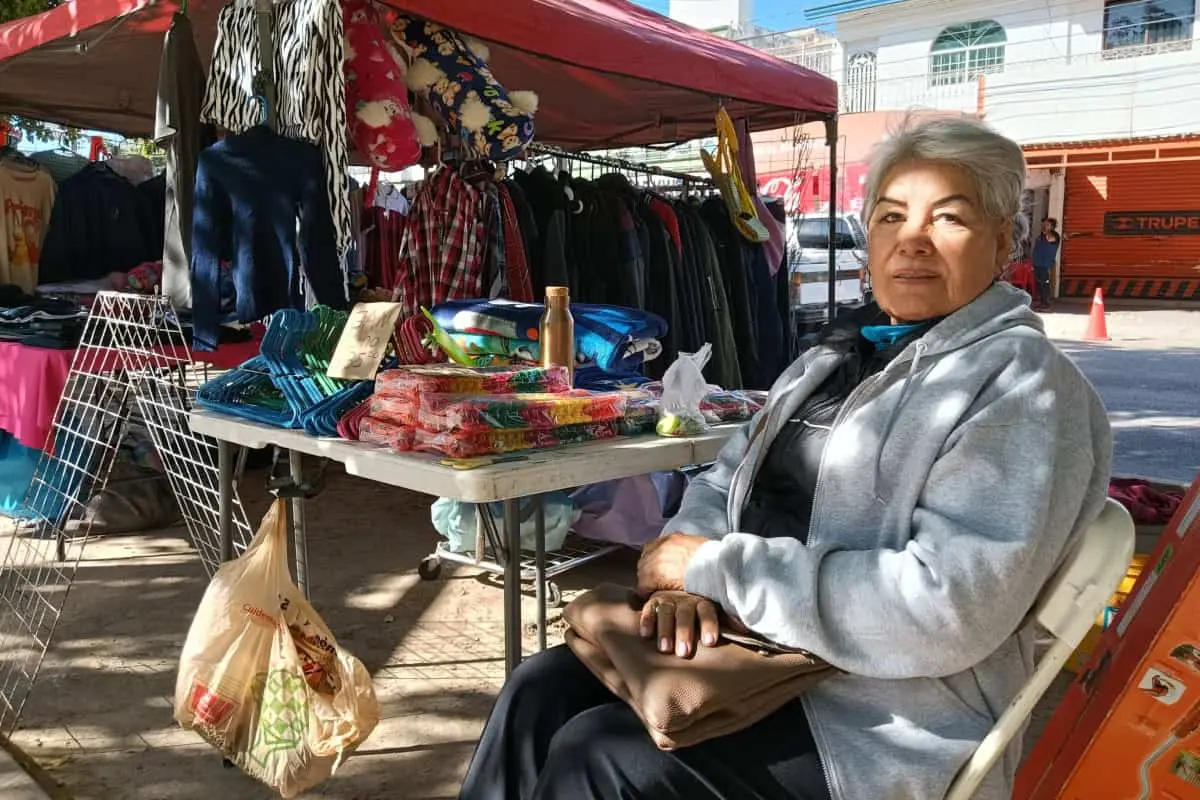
(261, 204)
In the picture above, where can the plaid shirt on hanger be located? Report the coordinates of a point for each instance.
(444, 242)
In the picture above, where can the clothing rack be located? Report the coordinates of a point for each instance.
(620, 164)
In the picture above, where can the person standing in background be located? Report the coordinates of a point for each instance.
(1045, 254)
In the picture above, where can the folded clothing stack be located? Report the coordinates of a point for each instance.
(732, 406)
(448, 413)
(388, 434)
(464, 412)
(612, 338)
(472, 444)
(483, 443)
(641, 412)
(718, 406)
(43, 322)
(452, 379)
(394, 409)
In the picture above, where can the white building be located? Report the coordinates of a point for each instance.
(1103, 94)
(733, 19)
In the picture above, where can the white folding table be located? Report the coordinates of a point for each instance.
(532, 475)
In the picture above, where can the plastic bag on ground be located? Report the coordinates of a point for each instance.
(457, 521)
(262, 678)
(684, 389)
(629, 511)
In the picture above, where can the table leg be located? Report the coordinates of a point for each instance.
(225, 498)
(299, 531)
(539, 567)
(512, 586)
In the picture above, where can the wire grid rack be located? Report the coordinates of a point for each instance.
(132, 355)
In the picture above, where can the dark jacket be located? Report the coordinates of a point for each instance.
(100, 224)
(251, 189)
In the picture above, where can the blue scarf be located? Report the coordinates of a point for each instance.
(883, 336)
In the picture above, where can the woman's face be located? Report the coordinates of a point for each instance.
(930, 247)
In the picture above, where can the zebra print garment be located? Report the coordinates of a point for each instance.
(310, 86)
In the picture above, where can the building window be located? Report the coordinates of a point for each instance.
(962, 53)
(1138, 27)
(859, 87)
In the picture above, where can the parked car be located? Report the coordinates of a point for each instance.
(808, 263)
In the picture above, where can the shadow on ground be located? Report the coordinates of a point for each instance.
(99, 719)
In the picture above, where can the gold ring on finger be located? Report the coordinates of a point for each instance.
(665, 608)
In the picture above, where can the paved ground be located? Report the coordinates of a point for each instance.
(15, 783)
(99, 720)
(1149, 377)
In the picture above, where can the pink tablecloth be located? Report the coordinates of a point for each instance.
(32, 381)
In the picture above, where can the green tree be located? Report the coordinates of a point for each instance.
(15, 9)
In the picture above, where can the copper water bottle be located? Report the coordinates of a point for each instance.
(556, 333)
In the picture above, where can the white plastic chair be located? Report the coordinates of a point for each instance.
(1067, 608)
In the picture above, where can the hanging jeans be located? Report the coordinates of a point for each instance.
(557, 732)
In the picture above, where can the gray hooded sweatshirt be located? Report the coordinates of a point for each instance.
(950, 488)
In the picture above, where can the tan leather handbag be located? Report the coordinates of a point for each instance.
(683, 702)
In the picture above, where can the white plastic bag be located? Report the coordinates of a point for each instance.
(457, 521)
(684, 389)
(261, 677)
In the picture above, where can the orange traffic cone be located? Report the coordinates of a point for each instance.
(1097, 329)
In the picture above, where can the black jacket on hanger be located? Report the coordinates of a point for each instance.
(662, 286)
(733, 260)
(99, 225)
(691, 292)
(593, 248)
(549, 204)
(723, 369)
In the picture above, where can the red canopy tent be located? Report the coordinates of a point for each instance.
(609, 73)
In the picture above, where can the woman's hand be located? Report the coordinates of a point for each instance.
(664, 561)
(672, 619)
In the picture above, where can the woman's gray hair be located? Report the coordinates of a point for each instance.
(995, 163)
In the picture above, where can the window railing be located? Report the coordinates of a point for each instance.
(1141, 49)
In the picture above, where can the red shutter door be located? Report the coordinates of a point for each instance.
(1152, 266)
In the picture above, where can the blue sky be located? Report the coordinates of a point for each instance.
(775, 14)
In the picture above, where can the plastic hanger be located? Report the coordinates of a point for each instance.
(13, 156)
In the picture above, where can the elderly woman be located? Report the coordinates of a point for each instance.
(896, 507)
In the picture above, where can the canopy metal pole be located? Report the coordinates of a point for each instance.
(266, 60)
(831, 137)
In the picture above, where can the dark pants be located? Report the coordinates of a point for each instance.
(1043, 281)
(556, 733)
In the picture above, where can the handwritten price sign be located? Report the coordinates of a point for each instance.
(364, 341)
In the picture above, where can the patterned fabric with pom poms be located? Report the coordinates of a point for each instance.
(453, 72)
(381, 124)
